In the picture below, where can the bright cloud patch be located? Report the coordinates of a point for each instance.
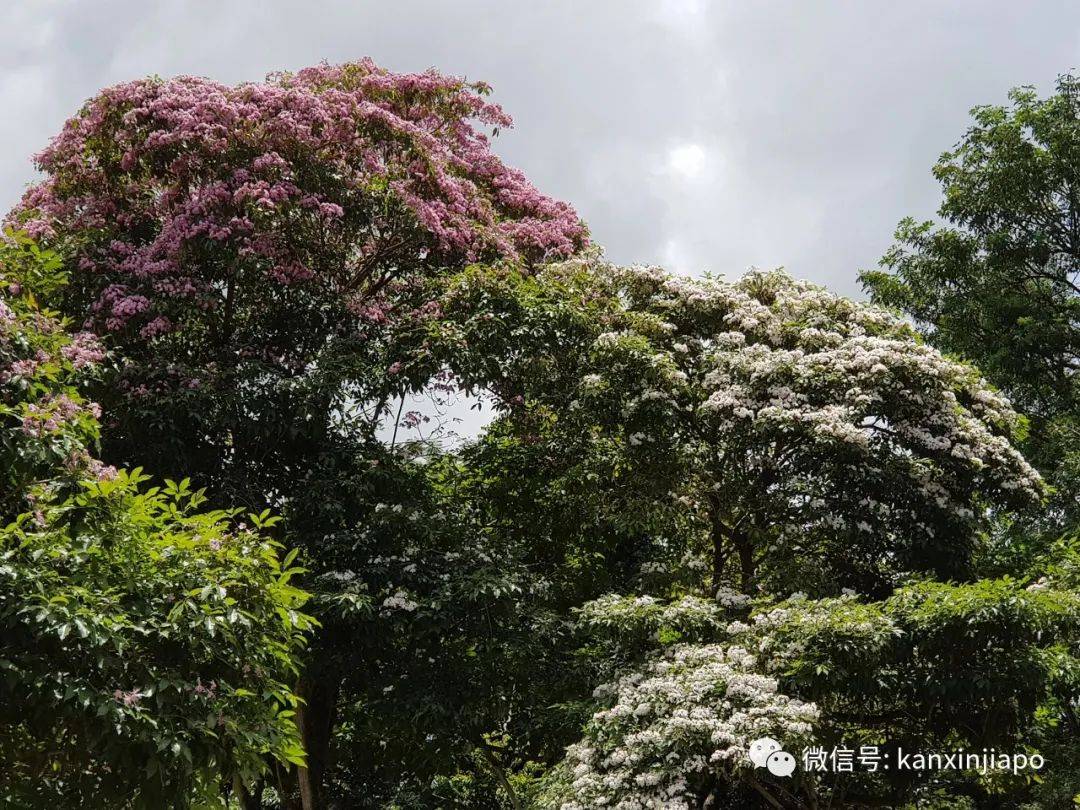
(687, 160)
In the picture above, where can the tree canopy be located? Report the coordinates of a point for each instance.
(793, 425)
(250, 249)
(996, 280)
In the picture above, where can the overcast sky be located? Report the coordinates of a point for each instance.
(694, 134)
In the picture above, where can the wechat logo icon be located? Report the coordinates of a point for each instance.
(767, 753)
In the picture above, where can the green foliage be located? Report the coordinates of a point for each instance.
(934, 667)
(621, 630)
(996, 282)
(145, 642)
(148, 643)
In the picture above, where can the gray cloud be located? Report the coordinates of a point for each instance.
(693, 134)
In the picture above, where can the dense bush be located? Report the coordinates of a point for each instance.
(148, 646)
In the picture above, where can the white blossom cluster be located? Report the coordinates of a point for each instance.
(775, 379)
(870, 392)
(730, 598)
(687, 717)
(399, 601)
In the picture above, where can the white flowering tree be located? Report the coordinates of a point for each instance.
(815, 440)
(709, 442)
(675, 726)
(988, 665)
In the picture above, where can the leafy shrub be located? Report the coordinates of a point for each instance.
(147, 644)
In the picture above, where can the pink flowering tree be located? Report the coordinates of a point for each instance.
(265, 262)
(257, 253)
(148, 642)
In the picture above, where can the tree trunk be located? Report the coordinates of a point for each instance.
(309, 792)
(746, 563)
(248, 800)
(719, 558)
(724, 538)
(719, 534)
(286, 783)
(500, 775)
(315, 718)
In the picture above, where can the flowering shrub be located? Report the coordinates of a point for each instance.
(674, 728)
(44, 423)
(934, 666)
(147, 644)
(647, 616)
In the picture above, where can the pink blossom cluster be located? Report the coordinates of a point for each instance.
(171, 380)
(24, 368)
(84, 350)
(209, 690)
(82, 462)
(302, 176)
(50, 415)
(130, 697)
(37, 359)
